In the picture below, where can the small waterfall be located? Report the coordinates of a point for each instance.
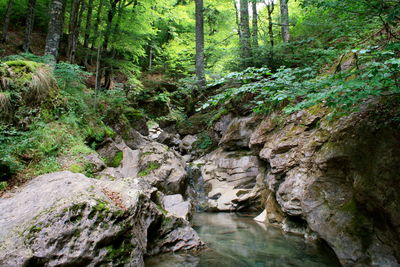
(196, 188)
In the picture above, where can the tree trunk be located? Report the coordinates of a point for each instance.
(97, 24)
(30, 18)
(285, 20)
(73, 22)
(55, 29)
(6, 21)
(76, 33)
(270, 10)
(245, 45)
(255, 24)
(237, 18)
(201, 80)
(88, 24)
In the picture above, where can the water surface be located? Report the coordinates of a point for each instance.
(236, 240)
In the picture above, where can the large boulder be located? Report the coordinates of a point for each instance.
(67, 219)
(156, 163)
(339, 177)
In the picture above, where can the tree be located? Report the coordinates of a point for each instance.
(270, 10)
(285, 20)
(201, 80)
(55, 29)
(73, 29)
(245, 45)
(254, 31)
(88, 24)
(6, 22)
(30, 18)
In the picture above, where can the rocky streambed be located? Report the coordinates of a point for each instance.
(329, 182)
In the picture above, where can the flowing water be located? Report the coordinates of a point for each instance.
(236, 240)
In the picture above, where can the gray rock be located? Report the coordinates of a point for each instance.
(234, 179)
(176, 205)
(67, 219)
(338, 179)
(238, 133)
(187, 142)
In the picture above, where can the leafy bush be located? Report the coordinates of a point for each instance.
(377, 73)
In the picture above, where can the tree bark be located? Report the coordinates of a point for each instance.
(285, 20)
(76, 32)
(88, 24)
(6, 21)
(237, 18)
(245, 45)
(97, 24)
(254, 24)
(200, 73)
(55, 29)
(270, 9)
(30, 19)
(73, 22)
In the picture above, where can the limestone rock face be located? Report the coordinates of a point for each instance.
(238, 133)
(67, 219)
(340, 177)
(233, 179)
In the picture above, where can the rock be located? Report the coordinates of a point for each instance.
(261, 217)
(96, 161)
(221, 126)
(163, 168)
(156, 163)
(238, 133)
(336, 179)
(128, 168)
(186, 145)
(193, 125)
(175, 205)
(67, 219)
(234, 179)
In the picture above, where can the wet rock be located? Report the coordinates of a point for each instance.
(67, 219)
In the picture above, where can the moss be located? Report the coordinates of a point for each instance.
(120, 252)
(151, 167)
(76, 168)
(360, 226)
(116, 160)
(100, 209)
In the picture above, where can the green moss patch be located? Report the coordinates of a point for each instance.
(151, 167)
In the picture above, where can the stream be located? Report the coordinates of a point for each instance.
(236, 240)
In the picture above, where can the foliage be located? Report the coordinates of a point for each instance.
(300, 88)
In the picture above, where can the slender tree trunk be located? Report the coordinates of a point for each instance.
(201, 80)
(237, 18)
(255, 24)
(30, 18)
(245, 45)
(97, 24)
(75, 40)
(73, 22)
(6, 21)
(88, 24)
(270, 10)
(55, 29)
(285, 20)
